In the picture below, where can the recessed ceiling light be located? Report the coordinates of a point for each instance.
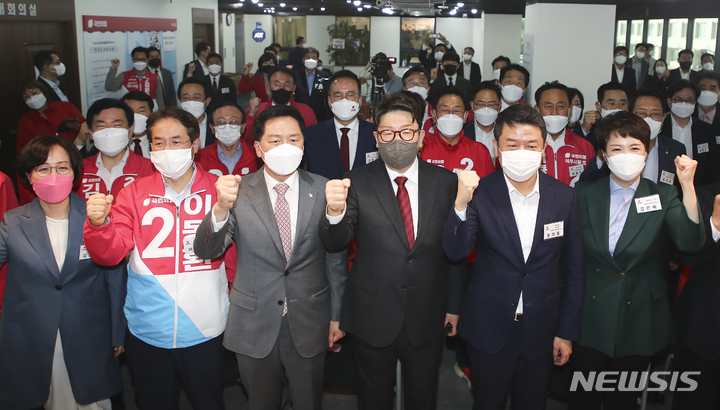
(359, 8)
(367, 6)
(260, 4)
(357, 2)
(473, 11)
(294, 8)
(282, 4)
(254, 1)
(461, 4)
(453, 12)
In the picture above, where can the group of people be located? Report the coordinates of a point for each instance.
(538, 236)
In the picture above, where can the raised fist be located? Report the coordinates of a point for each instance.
(98, 208)
(336, 191)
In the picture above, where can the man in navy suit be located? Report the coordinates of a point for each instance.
(621, 73)
(310, 80)
(684, 72)
(344, 142)
(522, 309)
(198, 67)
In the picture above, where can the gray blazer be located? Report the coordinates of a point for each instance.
(83, 300)
(169, 85)
(313, 280)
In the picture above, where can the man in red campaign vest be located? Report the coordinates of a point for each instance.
(137, 79)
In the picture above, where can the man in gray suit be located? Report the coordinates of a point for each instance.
(285, 301)
(165, 77)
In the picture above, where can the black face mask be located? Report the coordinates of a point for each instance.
(266, 68)
(281, 96)
(154, 63)
(450, 69)
(685, 65)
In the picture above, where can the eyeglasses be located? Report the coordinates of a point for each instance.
(445, 110)
(655, 116)
(416, 83)
(339, 95)
(45, 170)
(406, 134)
(679, 100)
(161, 145)
(234, 124)
(483, 104)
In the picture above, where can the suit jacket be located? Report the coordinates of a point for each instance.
(309, 280)
(428, 61)
(440, 84)
(475, 76)
(302, 94)
(716, 119)
(551, 280)
(169, 87)
(52, 95)
(628, 78)
(84, 301)
(675, 75)
(590, 135)
(226, 90)
(626, 306)
(644, 68)
(703, 139)
(322, 151)
(392, 285)
(698, 323)
(199, 72)
(295, 58)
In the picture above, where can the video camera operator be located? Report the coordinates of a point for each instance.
(380, 71)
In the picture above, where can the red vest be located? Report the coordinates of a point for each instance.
(147, 84)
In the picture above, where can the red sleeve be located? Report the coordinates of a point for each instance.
(246, 85)
(485, 160)
(247, 135)
(25, 193)
(7, 190)
(110, 243)
(230, 264)
(24, 133)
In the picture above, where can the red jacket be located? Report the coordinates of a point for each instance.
(32, 124)
(8, 201)
(466, 155)
(306, 112)
(147, 84)
(255, 83)
(90, 183)
(210, 161)
(570, 160)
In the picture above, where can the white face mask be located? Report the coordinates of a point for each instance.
(450, 125)
(196, 108)
(283, 160)
(707, 99)
(140, 65)
(626, 166)
(640, 54)
(310, 64)
(139, 124)
(620, 60)
(709, 66)
(575, 115)
(345, 109)
(172, 163)
(520, 165)
(496, 74)
(651, 52)
(655, 127)
(60, 69)
(512, 93)
(682, 110)
(660, 69)
(467, 57)
(228, 134)
(439, 55)
(555, 123)
(36, 101)
(421, 91)
(111, 141)
(605, 113)
(486, 116)
(215, 69)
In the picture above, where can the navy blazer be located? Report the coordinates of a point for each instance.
(227, 90)
(628, 78)
(475, 76)
(302, 95)
(703, 138)
(322, 151)
(590, 135)
(675, 75)
(716, 119)
(84, 301)
(552, 280)
(199, 72)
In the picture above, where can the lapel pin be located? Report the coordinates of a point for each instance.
(310, 195)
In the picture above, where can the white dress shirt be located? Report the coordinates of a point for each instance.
(651, 164)
(486, 138)
(144, 144)
(683, 135)
(556, 144)
(203, 131)
(352, 137)
(204, 67)
(55, 85)
(466, 70)
(453, 77)
(215, 78)
(157, 72)
(503, 105)
(58, 234)
(620, 73)
(178, 197)
(684, 75)
(110, 176)
(715, 232)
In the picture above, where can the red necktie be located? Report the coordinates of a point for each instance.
(345, 148)
(403, 200)
(282, 218)
(451, 83)
(138, 148)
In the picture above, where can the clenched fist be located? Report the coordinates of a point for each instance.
(685, 168)
(715, 219)
(467, 182)
(98, 208)
(115, 63)
(247, 68)
(336, 191)
(191, 69)
(227, 191)
(589, 119)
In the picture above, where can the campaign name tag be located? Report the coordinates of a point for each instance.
(553, 230)
(576, 170)
(703, 148)
(226, 90)
(667, 177)
(370, 157)
(717, 139)
(84, 253)
(648, 204)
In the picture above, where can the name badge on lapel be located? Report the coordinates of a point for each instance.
(84, 253)
(648, 204)
(701, 148)
(717, 139)
(553, 230)
(576, 170)
(667, 177)
(226, 90)
(370, 157)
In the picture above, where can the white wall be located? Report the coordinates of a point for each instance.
(560, 35)
(385, 36)
(253, 49)
(459, 31)
(317, 35)
(502, 34)
(177, 9)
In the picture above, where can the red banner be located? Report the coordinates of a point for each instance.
(107, 23)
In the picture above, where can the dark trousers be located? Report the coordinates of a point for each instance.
(585, 359)
(707, 394)
(158, 373)
(263, 378)
(376, 373)
(509, 372)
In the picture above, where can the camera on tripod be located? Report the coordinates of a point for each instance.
(380, 67)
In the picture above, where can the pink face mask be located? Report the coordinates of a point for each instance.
(53, 188)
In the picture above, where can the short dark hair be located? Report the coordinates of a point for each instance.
(572, 92)
(659, 60)
(678, 85)
(201, 47)
(470, 48)
(276, 111)
(105, 104)
(619, 49)
(266, 57)
(710, 76)
(500, 58)
(516, 67)
(625, 125)
(450, 91)
(640, 45)
(43, 58)
(221, 104)
(34, 84)
(299, 40)
(451, 56)
(310, 50)
(649, 45)
(417, 69)
(270, 49)
(702, 57)
(195, 80)
(686, 51)
(611, 86)
(489, 86)
(554, 85)
(344, 74)
(151, 49)
(283, 70)
(403, 101)
(648, 92)
(273, 45)
(35, 153)
(176, 113)
(139, 50)
(211, 55)
(443, 45)
(139, 96)
(519, 114)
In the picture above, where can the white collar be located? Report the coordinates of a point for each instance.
(121, 164)
(411, 173)
(293, 181)
(511, 188)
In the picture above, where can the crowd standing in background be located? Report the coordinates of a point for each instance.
(276, 215)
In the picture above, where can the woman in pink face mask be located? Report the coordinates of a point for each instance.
(62, 324)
